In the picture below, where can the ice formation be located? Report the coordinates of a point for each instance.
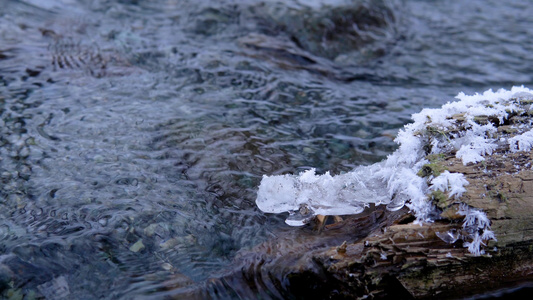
(308, 194)
(450, 182)
(477, 225)
(523, 142)
(454, 128)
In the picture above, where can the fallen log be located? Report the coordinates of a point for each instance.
(477, 236)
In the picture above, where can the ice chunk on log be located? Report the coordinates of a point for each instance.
(307, 194)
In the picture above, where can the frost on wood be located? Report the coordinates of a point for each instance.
(453, 183)
(477, 225)
(523, 142)
(465, 129)
(474, 146)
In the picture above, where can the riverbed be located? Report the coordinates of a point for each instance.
(134, 134)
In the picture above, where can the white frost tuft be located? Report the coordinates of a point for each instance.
(523, 142)
(452, 182)
(477, 225)
(475, 148)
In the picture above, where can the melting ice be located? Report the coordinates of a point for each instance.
(309, 194)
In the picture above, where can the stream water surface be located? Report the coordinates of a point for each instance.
(134, 134)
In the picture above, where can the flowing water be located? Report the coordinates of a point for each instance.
(134, 134)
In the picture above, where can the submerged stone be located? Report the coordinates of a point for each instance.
(55, 289)
(138, 246)
(333, 28)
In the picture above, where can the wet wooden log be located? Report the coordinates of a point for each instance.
(385, 254)
(410, 260)
(398, 257)
(418, 261)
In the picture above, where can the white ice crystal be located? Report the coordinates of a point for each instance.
(454, 183)
(523, 142)
(453, 128)
(475, 144)
(477, 224)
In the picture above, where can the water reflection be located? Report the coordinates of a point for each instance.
(133, 134)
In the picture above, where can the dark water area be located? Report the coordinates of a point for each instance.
(134, 134)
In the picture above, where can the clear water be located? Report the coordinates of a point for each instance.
(133, 134)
